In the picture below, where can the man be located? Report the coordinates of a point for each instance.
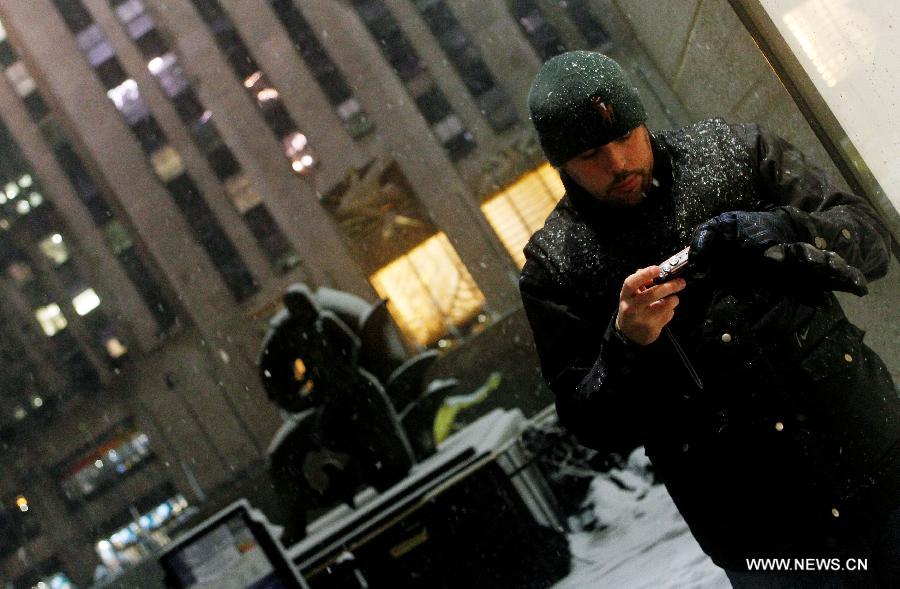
(773, 426)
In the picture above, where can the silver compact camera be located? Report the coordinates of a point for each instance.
(672, 266)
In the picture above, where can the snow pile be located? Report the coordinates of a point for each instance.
(640, 540)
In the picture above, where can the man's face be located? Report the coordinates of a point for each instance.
(618, 173)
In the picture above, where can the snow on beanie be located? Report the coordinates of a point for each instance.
(581, 100)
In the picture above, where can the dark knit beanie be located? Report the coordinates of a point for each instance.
(581, 100)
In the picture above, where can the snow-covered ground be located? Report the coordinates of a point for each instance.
(645, 542)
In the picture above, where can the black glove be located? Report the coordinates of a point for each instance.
(765, 242)
(804, 263)
(737, 233)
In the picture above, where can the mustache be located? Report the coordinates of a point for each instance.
(623, 176)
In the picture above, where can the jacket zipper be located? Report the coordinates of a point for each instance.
(684, 358)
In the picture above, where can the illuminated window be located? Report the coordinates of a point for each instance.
(127, 98)
(51, 319)
(115, 348)
(167, 163)
(55, 249)
(429, 290)
(518, 211)
(85, 302)
(18, 76)
(242, 194)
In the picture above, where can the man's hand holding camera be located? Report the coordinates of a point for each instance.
(644, 308)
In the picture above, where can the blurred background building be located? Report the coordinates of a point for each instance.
(170, 166)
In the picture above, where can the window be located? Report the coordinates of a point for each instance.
(255, 81)
(210, 235)
(326, 73)
(36, 106)
(466, 59)
(542, 35)
(115, 349)
(429, 291)
(148, 133)
(55, 249)
(21, 80)
(169, 74)
(434, 106)
(74, 14)
(242, 194)
(118, 237)
(51, 319)
(95, 46)
(128, 101)
(86, 301)
(111, 73)
(7, 54)
(588, 25)
(516, 212)
(188, 105)
(120, 452)
(270, 238)
(167, 163)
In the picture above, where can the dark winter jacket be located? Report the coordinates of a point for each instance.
(773, 426)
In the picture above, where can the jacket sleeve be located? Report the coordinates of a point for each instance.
(587, 364)
(820, 213)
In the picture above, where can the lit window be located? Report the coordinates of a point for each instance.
(267, 94)
(448, 128)
(18, 76)
(85, 302)
(167, 163)
(521, 209)
(55, 249)
(252, 79)
(51, 319)
(127, 98)
(170, 75)
(115, 348)
(294, 144)
(95, 46)
(348, 108)
(242, 194)
(429, 290)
